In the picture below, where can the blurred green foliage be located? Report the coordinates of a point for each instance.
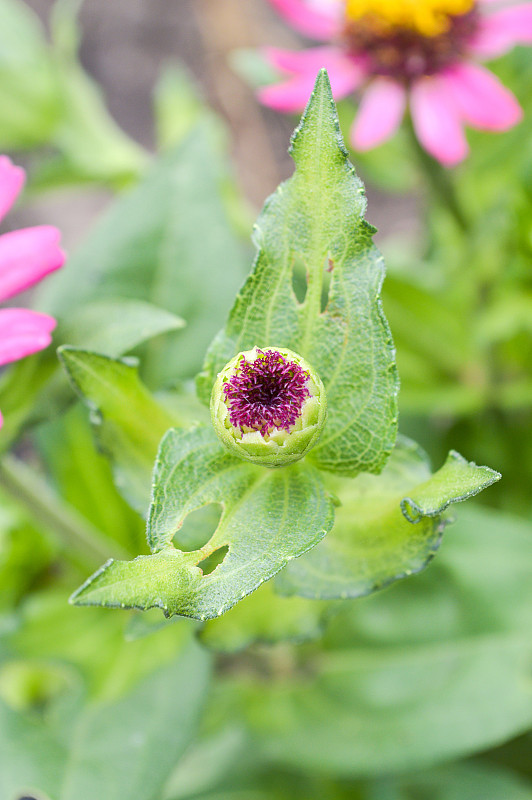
(49, 102)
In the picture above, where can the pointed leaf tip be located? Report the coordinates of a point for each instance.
(322, 79)
(319, 119)
(313, 228)
(386, 527)
(456, 481)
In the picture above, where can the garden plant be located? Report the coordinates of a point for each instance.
(265, 511)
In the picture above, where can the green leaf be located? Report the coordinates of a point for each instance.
(113, 327)
(35, 388)
(29, 107)
(245, 794)
(314, 223)
(471, 780)
(83, 478)
(92, 145)
(129, 421)
(98, 644)
(456, 481)
(479, 585)
(387, 526)
(123, 749)
(381, 710)
(269, 517)
(129, 748)
(178, 106)
(435, 350)
(264, 616)
(167, 242)
(424, 323)
(206, 763)
(468, 781)
(177, 491)
(433, 668)
(47, 99)
(25, 554)
(22, 737)
(108, 327)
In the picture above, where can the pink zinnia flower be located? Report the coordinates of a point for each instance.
(26, 256)
(400, 52)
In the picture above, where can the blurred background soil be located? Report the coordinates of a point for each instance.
(126, 44)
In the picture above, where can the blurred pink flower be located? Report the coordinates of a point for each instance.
(419, 53)
(26, 256)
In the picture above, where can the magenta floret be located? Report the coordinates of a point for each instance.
(267, 393)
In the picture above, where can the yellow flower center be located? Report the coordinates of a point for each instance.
(425, 17)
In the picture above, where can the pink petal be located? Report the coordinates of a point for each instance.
(481, 99)
(381, 110)
(11, 182)
(502, 30)
(437, 121)
(26, 256)
(345, 73)
(310, 60)
(23, 332)
(321, 21)
(289, 97)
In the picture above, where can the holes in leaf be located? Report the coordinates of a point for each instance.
(299, 279)
(210, 563)
(327, 274)
(300, 282)
(198, 528)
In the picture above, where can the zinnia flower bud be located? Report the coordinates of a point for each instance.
(268, 406)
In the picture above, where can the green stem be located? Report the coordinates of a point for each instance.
(440, 182)
(34, 495)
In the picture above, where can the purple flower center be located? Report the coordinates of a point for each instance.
(407, 54)
(267, 393)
